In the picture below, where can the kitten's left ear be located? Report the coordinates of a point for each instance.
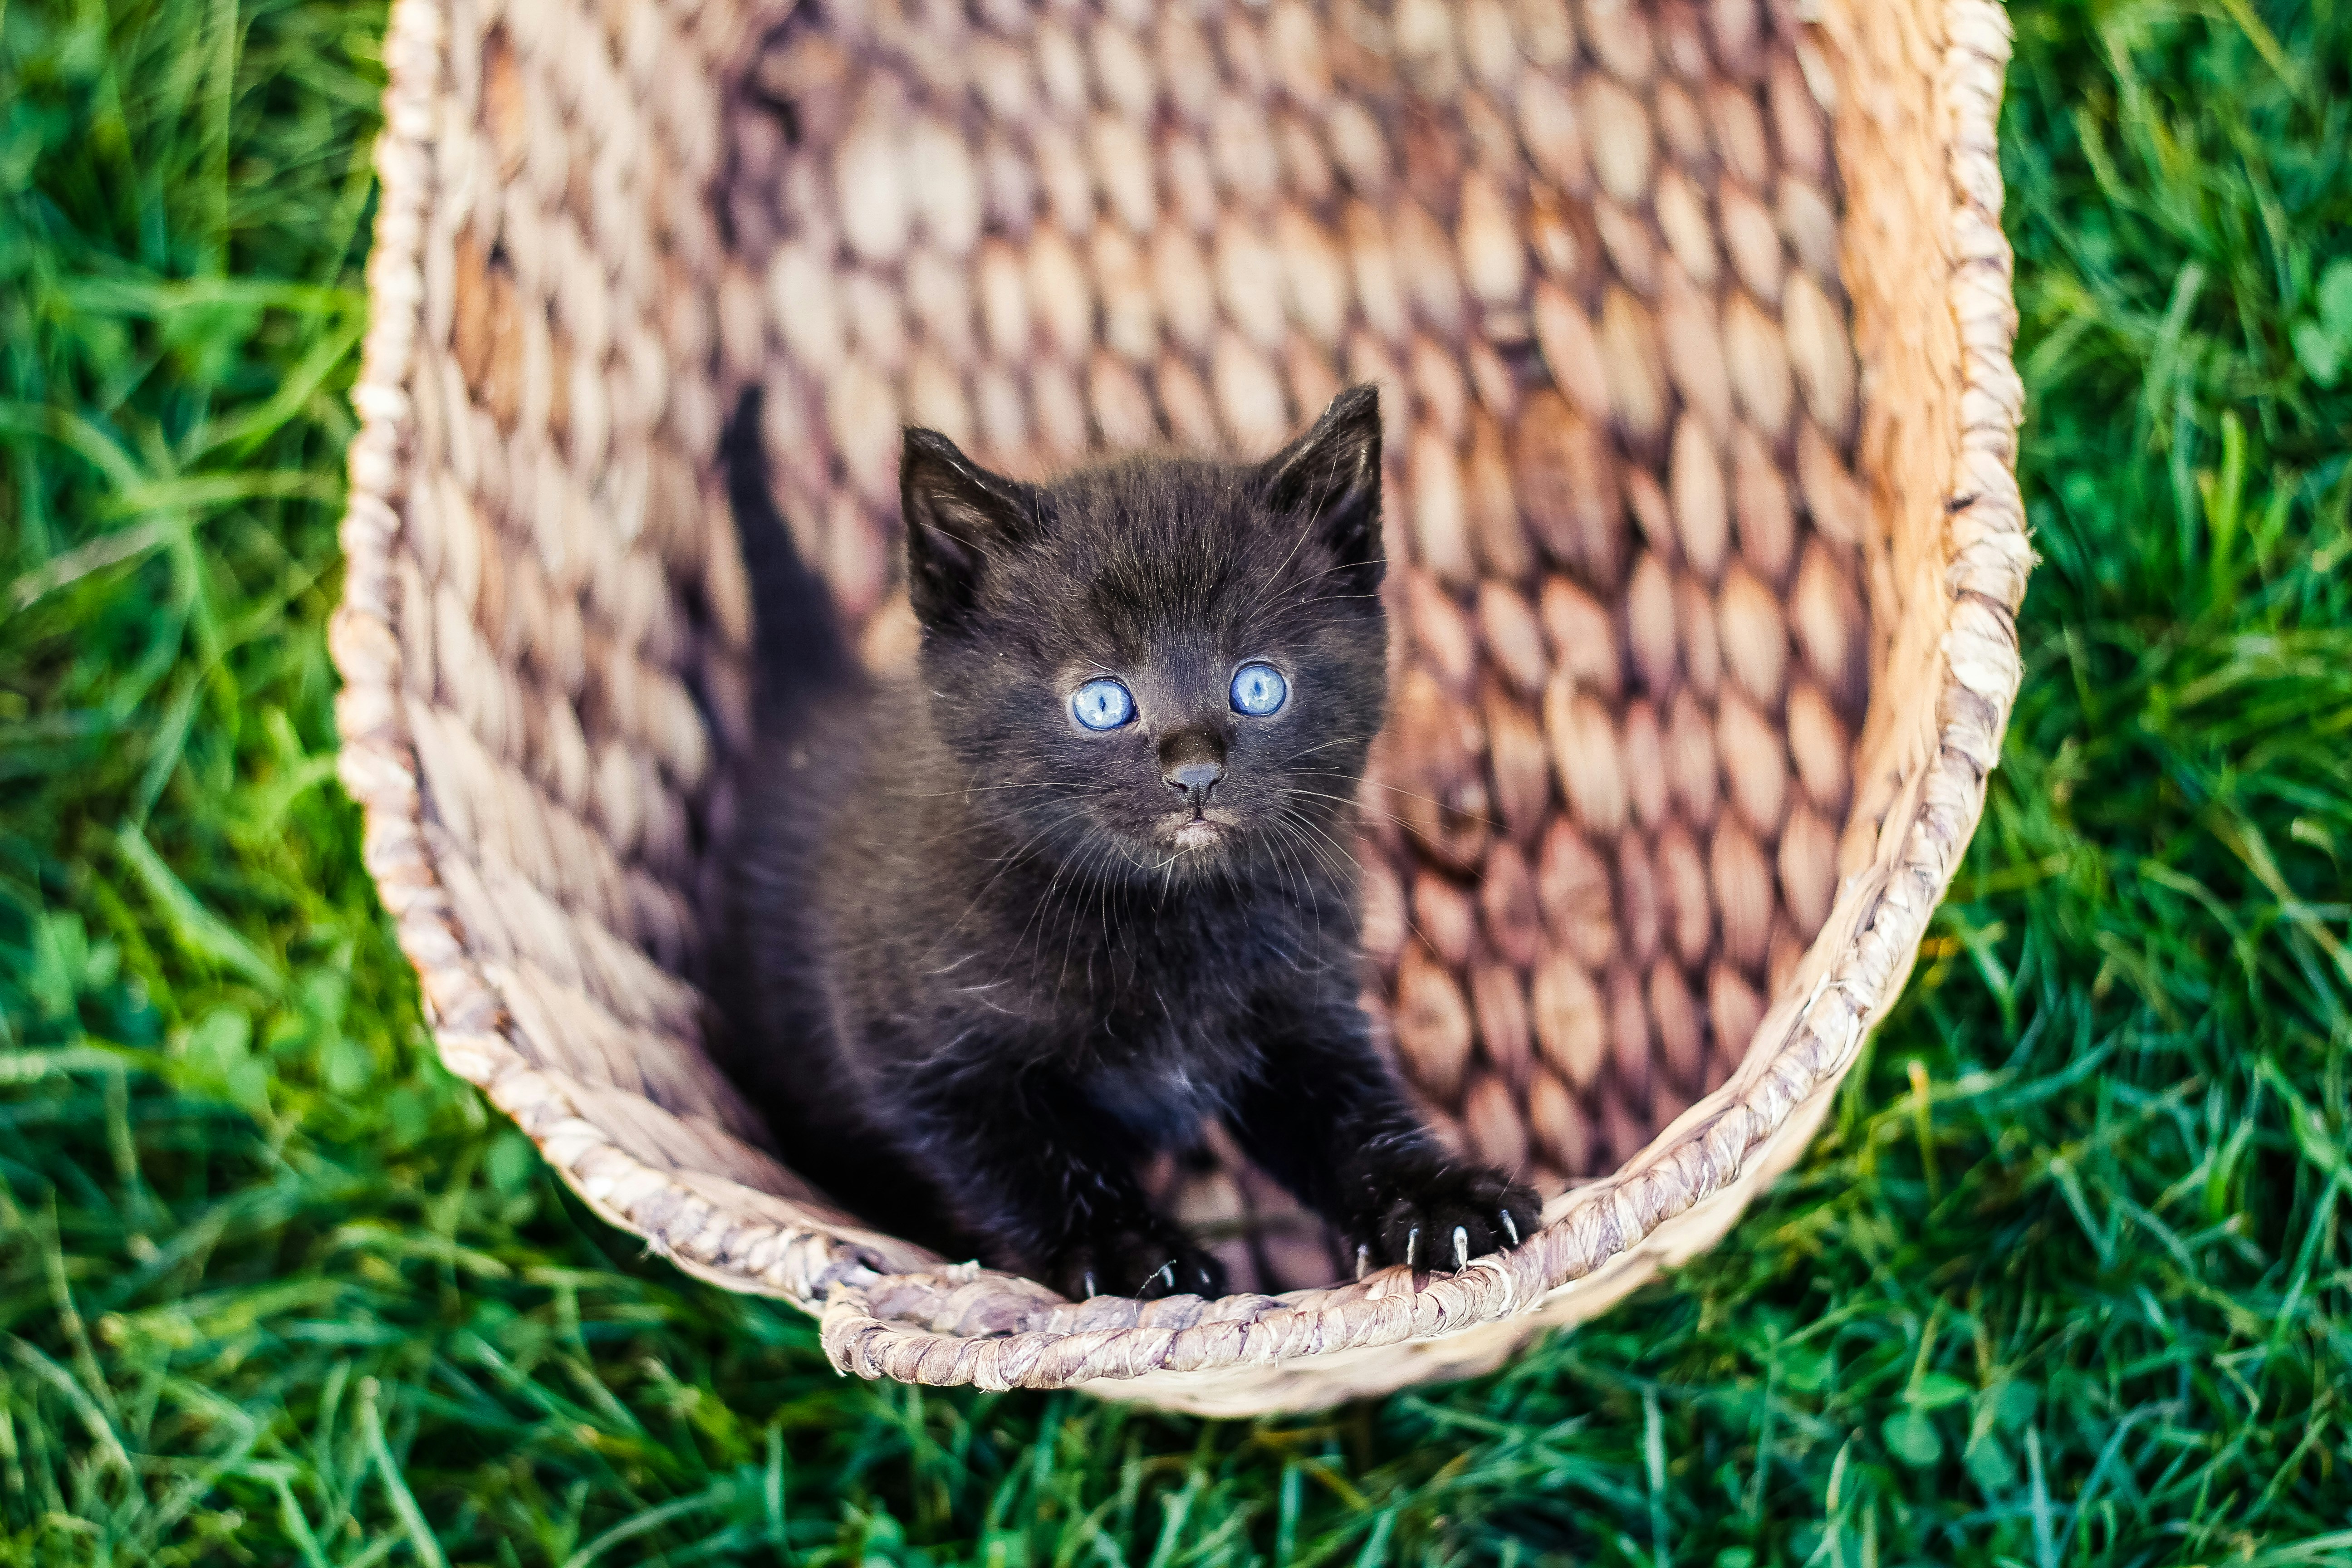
(958, 516)
(1329, 479)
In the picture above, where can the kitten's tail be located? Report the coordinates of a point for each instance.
(797, 645)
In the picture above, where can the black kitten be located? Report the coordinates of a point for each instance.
(1007, 926)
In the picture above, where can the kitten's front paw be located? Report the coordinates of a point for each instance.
(1440, 1215)
(1144, 1266)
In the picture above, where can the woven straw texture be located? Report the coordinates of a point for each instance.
(1693, 324)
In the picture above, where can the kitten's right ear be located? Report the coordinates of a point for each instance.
(1329, 479)
(958, 515)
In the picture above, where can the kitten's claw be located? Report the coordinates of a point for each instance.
(1189, 1270)
(1144, 1266)
(1363, 1260)
(1468, 1213)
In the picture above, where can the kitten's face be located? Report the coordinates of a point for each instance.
(1160, 666)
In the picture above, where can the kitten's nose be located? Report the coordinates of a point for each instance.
(1192, 761)
(1194, 780)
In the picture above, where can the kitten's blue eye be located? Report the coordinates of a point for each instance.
(1259, 689)
(1102, 704)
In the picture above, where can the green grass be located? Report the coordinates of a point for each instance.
(2066, 1282)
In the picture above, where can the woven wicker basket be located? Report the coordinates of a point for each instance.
(1694, 324)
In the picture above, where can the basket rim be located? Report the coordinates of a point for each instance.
(888, 1309)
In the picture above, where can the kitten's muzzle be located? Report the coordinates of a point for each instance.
(1192, 761)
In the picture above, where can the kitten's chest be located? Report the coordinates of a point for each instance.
(1177, 975)
(1162, 1085)
(1152, 1007)
(1171, 1032)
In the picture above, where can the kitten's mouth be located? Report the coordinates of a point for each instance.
(1190, 835)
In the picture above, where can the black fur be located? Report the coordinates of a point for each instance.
(979, 975)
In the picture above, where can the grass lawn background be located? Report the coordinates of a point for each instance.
(2066, 1279)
